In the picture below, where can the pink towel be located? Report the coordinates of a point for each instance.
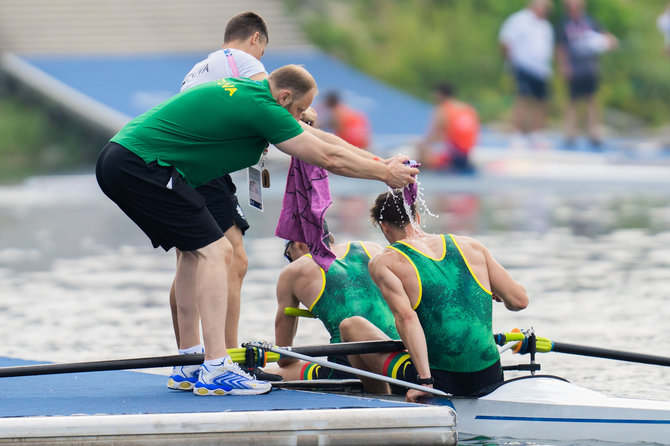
(306, 200)
(411, 191)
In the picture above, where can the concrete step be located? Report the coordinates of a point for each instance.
(130, 26)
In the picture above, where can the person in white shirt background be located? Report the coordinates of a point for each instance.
(527, 42)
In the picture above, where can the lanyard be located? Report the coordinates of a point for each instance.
(231, 62)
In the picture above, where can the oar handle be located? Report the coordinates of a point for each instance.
(298, 312)
(348, 348)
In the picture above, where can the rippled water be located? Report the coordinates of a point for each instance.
(78, 281)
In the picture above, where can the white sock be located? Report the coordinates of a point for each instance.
(218, 362)
(192, 350)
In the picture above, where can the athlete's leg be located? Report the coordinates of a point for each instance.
(236, 273)
(355, 329)
(202, 287)
(290, 372)
(173, 305)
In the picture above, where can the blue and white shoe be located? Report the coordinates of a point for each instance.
(228, 380)
(184, 377)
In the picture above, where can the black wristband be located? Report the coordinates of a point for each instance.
(424, 381)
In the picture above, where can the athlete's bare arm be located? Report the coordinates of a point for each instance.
(341, 161)
(406, 320)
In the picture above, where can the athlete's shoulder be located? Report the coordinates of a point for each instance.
(371, 248)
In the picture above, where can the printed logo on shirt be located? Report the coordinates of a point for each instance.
(196, 71)
(229, 87)
(240, 211)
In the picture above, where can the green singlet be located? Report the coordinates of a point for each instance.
(347, 291)
(210, 130)
(454, 309)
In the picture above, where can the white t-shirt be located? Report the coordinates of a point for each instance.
(216, 66)
(664, 26)
(530, 42)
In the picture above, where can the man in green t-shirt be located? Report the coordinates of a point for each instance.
(345, 290)
(440, 289)
(150, 167)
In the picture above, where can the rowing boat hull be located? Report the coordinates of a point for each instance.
(551, 408)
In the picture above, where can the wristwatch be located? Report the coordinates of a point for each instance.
(424, 381)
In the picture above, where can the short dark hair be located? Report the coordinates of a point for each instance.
(445, 89)
(389, 207)
(332, 99)
(243, 25)
(294, 78)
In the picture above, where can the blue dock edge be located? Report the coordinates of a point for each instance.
(128, 407)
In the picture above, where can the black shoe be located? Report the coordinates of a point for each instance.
(264, 376)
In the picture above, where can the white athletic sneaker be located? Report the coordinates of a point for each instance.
(183, 377)
(228, 380)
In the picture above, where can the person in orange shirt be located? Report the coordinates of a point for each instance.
(456, 125)
(349, 124)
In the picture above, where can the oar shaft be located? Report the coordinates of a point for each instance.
(99, 366)
(598, 352)
(238, 355)
(348, 348)
(344, 368)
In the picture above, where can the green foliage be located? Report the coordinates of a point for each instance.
(413, 44)
(31, 143)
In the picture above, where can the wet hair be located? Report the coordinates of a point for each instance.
(390, 208)
(244, 25)
(294, 78)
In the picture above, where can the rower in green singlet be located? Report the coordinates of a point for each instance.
(440, 289)
(345, 290)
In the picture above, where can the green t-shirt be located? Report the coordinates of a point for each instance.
(211, 129)
(454, 309)
(348, 290)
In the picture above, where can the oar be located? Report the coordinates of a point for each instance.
(237, 354)
(352, 370)
(298, 312)
(545, 345)
(598, 352)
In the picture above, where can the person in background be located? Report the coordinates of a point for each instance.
(151, 167)
(440, 289)
(345, 290)
(349, 124)
(663, 24)
(580, 43)
(244, 41)
(527, 42)
(455, 125)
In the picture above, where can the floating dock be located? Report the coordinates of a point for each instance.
(130, 408)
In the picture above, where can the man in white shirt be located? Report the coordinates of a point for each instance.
(527, 42)
(663, 24)
(245, 39)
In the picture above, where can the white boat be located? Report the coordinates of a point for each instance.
(543, 407)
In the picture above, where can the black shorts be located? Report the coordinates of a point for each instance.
(456, 383)
(314, 371)
(157, 198)
(222, 203)
(528, 84)
(584, 85)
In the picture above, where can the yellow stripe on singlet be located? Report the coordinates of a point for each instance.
(468, 265)
(365, 249)
(444, 250)
(418, 276)
(323, 287)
